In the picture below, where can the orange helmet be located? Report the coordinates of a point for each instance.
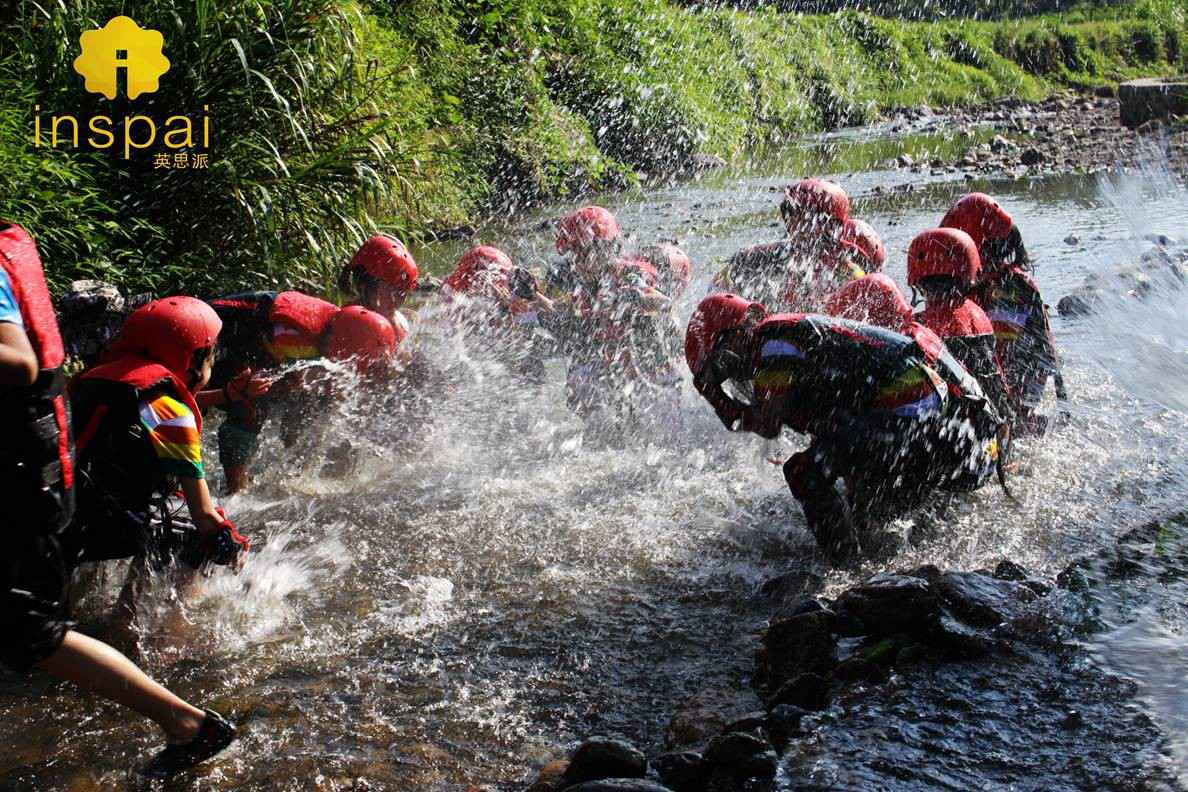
(672, 267)
(385, 258)
(715, 315)
(980, 216)
(817, 197)
(862, 237)
(474, 263)
(874, 299)
(169, 331)
(947, 252)
(363, 335)
(578, 229)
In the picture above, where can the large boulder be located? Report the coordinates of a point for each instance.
(981, 600)
(604, 757)
(798, 645)
(890, 604)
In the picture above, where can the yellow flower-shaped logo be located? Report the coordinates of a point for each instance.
(122, 44)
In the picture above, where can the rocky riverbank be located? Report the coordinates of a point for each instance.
(1067, 133)
(920, 679)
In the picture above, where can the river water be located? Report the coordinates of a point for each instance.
(488, 588)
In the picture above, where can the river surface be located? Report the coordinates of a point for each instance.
(472, 601)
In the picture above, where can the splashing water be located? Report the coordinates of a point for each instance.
(487, 584)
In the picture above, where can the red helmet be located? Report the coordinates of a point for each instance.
(944, 251)
(816, 196)
(874, 299)
(715, 315)
(673, 267)
(474, 262)
(356, 332)
(169, 331)
(385, 258)
(578, 229)
(980, 216)
(866, 240)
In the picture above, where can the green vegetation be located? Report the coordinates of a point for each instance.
(332, 118)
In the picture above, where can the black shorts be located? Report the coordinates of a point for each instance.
(34, 606)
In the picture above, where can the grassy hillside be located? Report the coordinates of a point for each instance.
(335, 117)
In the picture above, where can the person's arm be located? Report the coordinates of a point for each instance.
(18, 361)
(202, 509)
(246, 386)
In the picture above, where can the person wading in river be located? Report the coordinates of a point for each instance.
(500, 309)
(800, 272)
(894, 417)
(37, 478)
(268, 331)
(943, 264)
(1010, 298)
(607, 321)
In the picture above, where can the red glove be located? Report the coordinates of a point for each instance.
(224, 547)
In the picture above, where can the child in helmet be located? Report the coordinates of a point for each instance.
(138, 429)
(500, 305)
(800, 272)
(380, 277)
(943, 264)
(602, 324)
(1023, 336)
(881, 416)
(267, 331)
(38, 483)
(864, 245)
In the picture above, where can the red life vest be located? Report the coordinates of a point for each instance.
(956, 321)
(33, 419)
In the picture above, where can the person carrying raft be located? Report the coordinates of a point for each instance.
(893, 416)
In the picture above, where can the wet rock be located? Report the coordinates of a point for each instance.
(807, 691)
(905, 161)
(1074, 578)
(1072, 720)
(745, 755)
(960, 641)
(550, 776)
(888, 604)
(618, 785)
(1000, 145)
(1009, 570)
(982, 600)
(752, 721)
(693, 726)
(1143, 101)
(1032, 157)
(857, 669)
(797, 645)
(783, 723)
(682, 772)
(1072, 239)
(604, 757)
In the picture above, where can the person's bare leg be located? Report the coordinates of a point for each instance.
(96, 667)
(237, 478)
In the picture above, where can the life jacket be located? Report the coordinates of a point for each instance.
(33, 419)
(112, 452)
(969, 335)
(270, 328)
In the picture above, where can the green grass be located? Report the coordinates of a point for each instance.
(420, 115)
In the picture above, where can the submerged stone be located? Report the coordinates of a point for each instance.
(604, 757)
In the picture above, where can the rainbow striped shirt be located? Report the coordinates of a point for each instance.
(173, 434)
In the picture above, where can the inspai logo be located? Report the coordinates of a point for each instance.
(122, 47)
(122, 59)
